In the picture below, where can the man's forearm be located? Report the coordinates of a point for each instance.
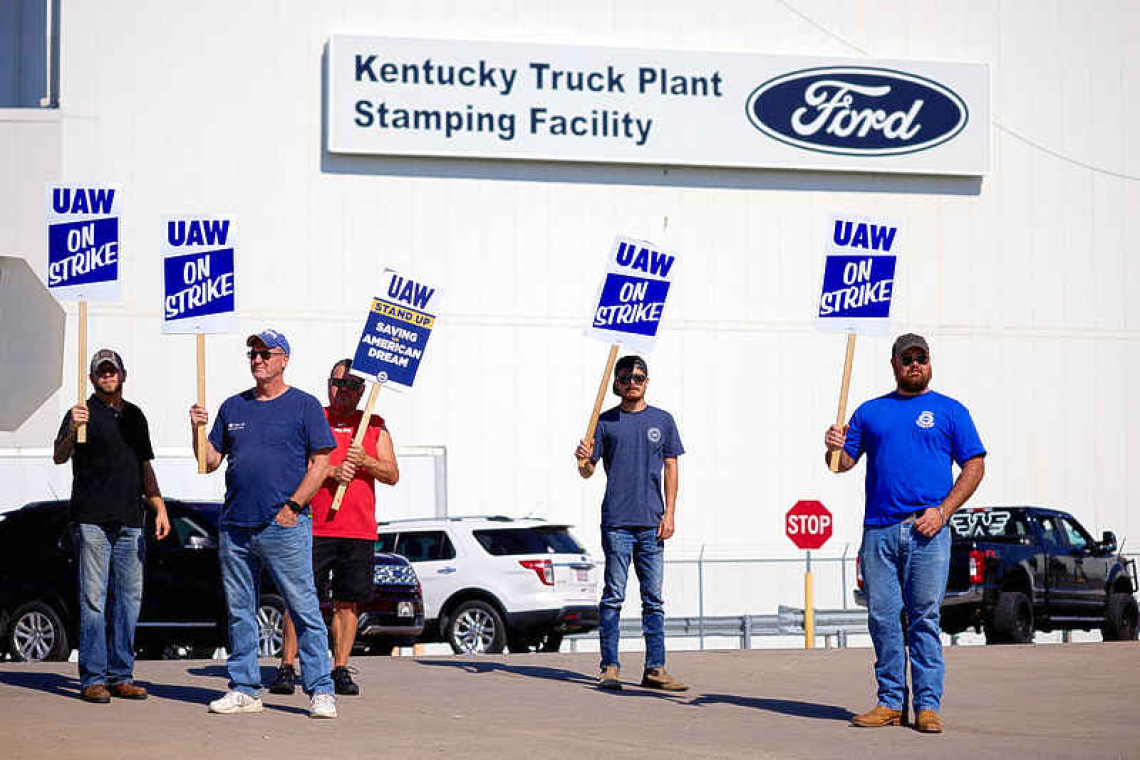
(150, 483)
(63, 448)
(387, 472)
(968, 480)
(315, 475)
(671, 479)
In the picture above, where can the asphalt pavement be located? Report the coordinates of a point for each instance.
(1051, 701)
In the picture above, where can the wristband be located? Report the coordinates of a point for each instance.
(293, 506)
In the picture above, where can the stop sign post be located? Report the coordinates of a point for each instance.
(808, 524)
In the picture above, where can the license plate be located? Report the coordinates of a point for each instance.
(583, 575)
(405, 609)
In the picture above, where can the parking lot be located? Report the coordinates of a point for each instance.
(1077, 700)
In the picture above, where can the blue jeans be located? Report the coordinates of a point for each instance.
(903, 568)
(648, 554)
(108, 553)
(287, 553)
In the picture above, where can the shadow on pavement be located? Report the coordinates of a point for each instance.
(52, 683)
(551, 674)
(783, 706)
(207, 695)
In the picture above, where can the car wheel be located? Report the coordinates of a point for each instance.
(1012, 621)
(476, 628)
(1121, 618)
(36, 633)
(270, 625)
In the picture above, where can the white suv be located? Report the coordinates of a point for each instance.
(495, 582)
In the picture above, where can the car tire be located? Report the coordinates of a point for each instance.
(270, 625)
(1121, 618)
(476, 628)
(1012, 620)
(36, 634)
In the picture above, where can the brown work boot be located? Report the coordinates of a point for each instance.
(657, 678)
(610, 679)
(96, 693)
(880, 716)
(127, 690)
(928, 722)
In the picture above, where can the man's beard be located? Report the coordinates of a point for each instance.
(913, 384)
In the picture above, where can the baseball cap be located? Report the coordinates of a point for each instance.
(103, 356)
(909, 340)
(630, 363)
(271, 339)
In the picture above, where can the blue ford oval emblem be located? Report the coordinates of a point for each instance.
(857, 111)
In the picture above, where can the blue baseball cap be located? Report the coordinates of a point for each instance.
(271, 339)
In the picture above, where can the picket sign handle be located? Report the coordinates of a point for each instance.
(81, 384)
(358, 440)
(842, 416)
(601, 396)
(200, 429)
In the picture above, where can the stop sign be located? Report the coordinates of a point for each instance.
(31, 347)
(808, 524)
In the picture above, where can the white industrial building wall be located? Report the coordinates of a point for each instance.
(1023, 280)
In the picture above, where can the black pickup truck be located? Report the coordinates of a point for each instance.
(1016, 570)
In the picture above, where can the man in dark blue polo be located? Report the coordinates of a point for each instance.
(636, 442)
(278, 442)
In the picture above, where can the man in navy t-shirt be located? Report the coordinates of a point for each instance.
(911, 437)
(277, 442)
(635, 442)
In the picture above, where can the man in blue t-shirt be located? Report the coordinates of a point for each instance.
(277, 441)
(635, 442)
(911, 437)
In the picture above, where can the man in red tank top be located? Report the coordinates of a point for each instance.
(343, 541)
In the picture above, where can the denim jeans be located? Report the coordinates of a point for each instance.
(287, 553)
(108, 553)
(621, 545)
(903, 568)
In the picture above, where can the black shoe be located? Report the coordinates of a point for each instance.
(343, 683)
(285, 682)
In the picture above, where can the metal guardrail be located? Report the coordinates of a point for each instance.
(788, 621)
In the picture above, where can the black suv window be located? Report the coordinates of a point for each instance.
(505, 541)
(386, 542)
(1050, 530)
(425, 546)
(1078, 539)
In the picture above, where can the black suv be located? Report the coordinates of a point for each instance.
(183, 609)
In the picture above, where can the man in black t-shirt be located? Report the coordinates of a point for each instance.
(111, 474)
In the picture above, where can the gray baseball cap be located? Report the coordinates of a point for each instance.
(105, 356)
(910, 340)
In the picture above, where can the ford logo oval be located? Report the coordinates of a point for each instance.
(857, 111)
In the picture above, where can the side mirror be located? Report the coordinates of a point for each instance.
(1108, 542)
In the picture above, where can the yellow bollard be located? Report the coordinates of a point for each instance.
(809, 612)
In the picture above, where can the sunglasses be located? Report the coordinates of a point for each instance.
(264, 353)
(908, 359)
(346, 383)
(635, 379)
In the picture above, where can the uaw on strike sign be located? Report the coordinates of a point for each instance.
(631, 299)
(198, 275)
(396, 331)
(859, 275)
(83, 242)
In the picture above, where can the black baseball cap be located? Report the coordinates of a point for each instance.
(629, 364)
(909, 340)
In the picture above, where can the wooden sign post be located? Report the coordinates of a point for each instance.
(357, 440)
(200, 430)
(81, 375)
(841, 417)
(602, 386)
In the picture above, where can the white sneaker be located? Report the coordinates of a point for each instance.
(322, 706)
(236, 702)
